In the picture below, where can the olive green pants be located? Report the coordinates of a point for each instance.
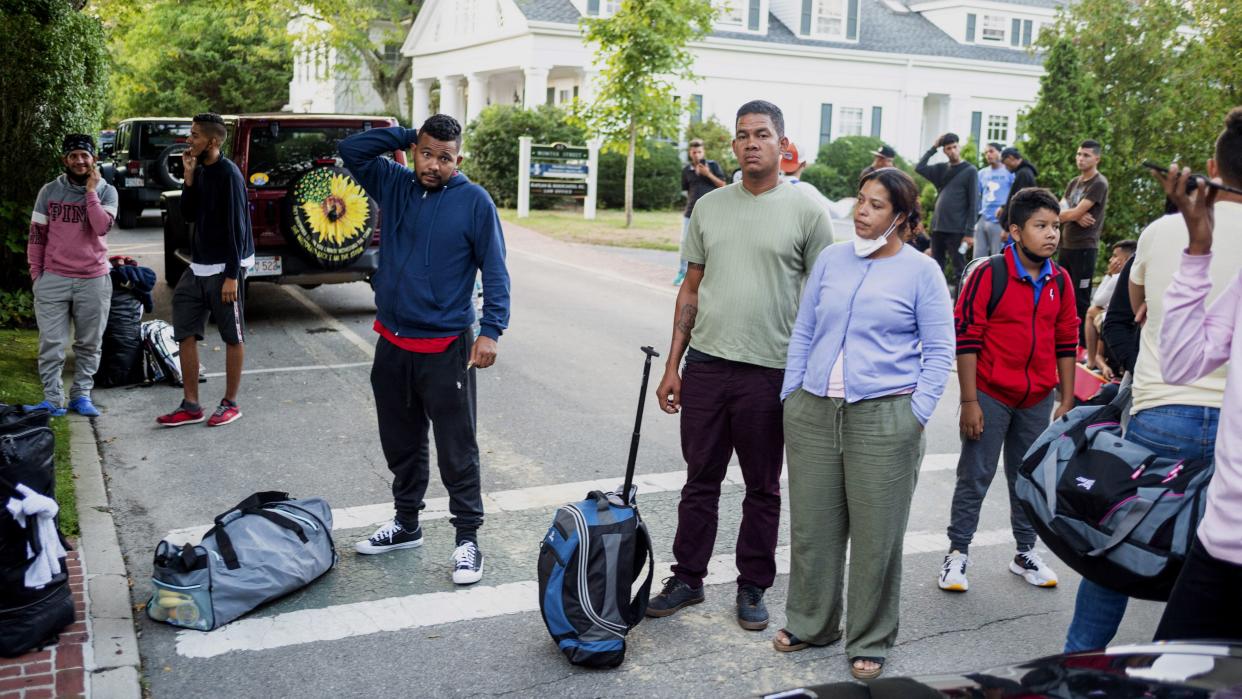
(852, 472)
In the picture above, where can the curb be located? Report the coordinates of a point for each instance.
(113, 665)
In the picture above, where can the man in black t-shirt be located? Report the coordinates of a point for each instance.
(1082, 219)
(698, 177)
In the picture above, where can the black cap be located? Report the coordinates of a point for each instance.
(1011, 152)
(78, 141)
(885, 151)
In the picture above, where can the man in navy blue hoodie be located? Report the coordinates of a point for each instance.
(439, 231)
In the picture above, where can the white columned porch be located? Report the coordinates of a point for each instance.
(476, 95)
(536, 86)
(450, 96)
(420, 106)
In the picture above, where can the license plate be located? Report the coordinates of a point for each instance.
(265, 267)
(133, 182)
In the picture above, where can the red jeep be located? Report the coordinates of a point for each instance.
(312, 222)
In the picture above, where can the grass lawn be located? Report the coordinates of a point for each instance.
(19, 383)
(655, 230)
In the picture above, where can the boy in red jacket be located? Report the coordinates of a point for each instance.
(1011, 347)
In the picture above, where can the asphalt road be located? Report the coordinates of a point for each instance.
(557, 408)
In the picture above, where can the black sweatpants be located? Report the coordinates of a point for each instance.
(1206, 602)
(1081, 267)
(948, 244)
(416, 391)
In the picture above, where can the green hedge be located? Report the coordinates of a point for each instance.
(657, 178)
(491, 144)
(55, 82)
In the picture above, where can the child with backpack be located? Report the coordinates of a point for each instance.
(1017, 336)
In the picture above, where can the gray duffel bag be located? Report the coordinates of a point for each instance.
(267, 546)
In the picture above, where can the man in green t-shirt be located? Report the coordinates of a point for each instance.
(749, 248)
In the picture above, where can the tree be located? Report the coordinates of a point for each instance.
(642, 50)
(717, 142)
(1052, 128)
(657, 177)
(173, 58)
(55, 84)
(838, 164)
(367, 33)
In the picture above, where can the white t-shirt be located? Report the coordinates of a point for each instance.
(1158, 258)
(1104, 292)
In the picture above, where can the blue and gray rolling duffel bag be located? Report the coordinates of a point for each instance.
(1111, 509)
(588, 563)
(266, 547)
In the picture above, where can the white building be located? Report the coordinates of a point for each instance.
(325, 83)
(903, 70)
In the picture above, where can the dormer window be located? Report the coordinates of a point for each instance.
(602, 8)
(830, 19)
(738, 15)
(992, 29)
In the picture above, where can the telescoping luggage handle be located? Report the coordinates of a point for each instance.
(638, 423)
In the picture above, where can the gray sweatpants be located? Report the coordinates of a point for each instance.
(1003, 427)
(57, 300)
(987, 237)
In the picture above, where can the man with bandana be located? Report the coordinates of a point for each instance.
(68, 257)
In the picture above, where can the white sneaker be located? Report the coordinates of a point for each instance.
(390, 537)
(467, 563)
(953, 572)
(1032, 568)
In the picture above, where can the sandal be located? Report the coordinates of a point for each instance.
(860, 674)
(793, 642)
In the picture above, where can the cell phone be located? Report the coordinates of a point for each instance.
(1193, 183)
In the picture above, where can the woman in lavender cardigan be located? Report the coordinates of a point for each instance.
(870, 354)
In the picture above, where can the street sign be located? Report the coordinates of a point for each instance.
(557, 170)
(559, 151)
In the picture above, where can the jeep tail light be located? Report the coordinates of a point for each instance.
(325, 161)
(134, 167)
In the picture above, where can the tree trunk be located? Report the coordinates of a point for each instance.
(629, 174)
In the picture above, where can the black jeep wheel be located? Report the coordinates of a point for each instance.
(329, 219)
(127, 214)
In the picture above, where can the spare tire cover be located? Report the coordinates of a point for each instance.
(331, 218)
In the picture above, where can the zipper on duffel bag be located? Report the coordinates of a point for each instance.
(8, 441)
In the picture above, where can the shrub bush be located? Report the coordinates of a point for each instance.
(55, 84)
(491, 145)
(839, 163)
(717, 142)
(657, 177)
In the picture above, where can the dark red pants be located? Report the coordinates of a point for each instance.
(727, 407)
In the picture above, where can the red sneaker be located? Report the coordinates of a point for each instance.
(225, 413)
(181, 416)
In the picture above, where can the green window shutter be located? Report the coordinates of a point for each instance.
(551, 99)
(976, 127)
(696, 109)
(806, 17)
(851, 21)
(593, 8)
(825, 123)
(752, 18)
(877, 118)
(1026, 32)
(970, 28)
(1015, 33)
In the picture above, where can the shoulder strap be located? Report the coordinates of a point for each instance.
(1000, 278)
(642, 553)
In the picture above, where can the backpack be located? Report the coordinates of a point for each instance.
(265, 547)
(161, 356)
(588, 563)
(1000, 278)
(1111, 509)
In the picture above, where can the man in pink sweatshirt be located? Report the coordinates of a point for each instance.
(1197, 338)
(68, 259)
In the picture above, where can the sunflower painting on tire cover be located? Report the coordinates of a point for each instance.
(333, 218)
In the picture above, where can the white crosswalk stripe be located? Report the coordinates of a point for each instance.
(542, 496)
(434, 608)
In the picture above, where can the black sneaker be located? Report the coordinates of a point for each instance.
(676, 595)
(467, 563)
(390, 537)
(752, 613)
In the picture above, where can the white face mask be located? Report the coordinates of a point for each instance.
(863, 247)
